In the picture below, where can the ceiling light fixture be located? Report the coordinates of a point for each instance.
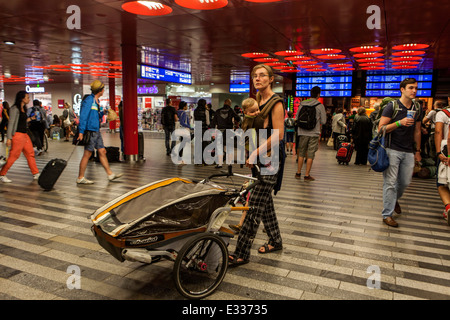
(287, 53)
(411, 46)
(9, 42)
(366, 49)
(325, 51)
(146, 8)
(255, 55)
(408, 53)
(202, 4)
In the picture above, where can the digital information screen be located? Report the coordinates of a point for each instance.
(239, 88)
(239, 81)
(383, 84)
(161, 74)
(333, 84)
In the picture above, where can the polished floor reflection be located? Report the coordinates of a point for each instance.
(334, 238)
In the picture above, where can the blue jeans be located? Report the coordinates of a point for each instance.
(396, 178)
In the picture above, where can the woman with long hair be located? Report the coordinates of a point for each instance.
(17, 137)
(271, 118)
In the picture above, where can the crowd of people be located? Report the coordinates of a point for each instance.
(414, 135)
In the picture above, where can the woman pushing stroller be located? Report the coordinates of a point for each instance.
(270, 118)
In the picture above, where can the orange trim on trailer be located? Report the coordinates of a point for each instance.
(140, 192)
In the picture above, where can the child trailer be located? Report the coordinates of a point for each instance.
(175, 219)
(344, 153)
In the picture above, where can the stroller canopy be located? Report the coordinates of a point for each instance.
(167, 205)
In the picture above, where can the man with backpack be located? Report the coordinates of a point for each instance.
(310, 116)
(168, 119)
(223, 120)
(402, 118)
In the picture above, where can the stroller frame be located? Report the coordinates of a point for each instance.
(200, 253)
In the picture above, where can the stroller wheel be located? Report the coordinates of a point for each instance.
(200, 266)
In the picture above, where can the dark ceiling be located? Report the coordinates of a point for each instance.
(212, 41)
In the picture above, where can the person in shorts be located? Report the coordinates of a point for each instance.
(309, 139)
(90, 116)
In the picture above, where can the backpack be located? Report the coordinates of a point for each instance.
(290, 124)
(167, 118)
(307, 117)
(383, 105)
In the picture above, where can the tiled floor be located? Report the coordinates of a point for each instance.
(332, 231)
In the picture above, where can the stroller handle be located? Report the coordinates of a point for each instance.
(230, 173)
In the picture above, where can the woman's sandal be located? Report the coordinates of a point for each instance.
(268, 250)
(233, 261)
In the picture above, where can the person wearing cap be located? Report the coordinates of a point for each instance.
(90, 116)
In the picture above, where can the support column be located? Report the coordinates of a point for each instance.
(129, 82)
(112, 101)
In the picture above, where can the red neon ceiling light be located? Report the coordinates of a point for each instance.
(325, 51)
(408, 53)
(202, 4)
(411, 46)
(368, 55)
(344, 69)
(146, 8)
(369, 64)
(340, 65)
(316, 70)
(407, 58)
(331, 56)
(273, 64)
(405, 67)
(370, 60)
(266, 60)
(254, 55)
(366, 49)
(286, 53)
(298, 58)
(373, 68)
(304, 62)
(405, 62)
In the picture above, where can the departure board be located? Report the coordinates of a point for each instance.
(332, 84)
(162, 74)
(387, 84)
(239, 81)
(240, 87)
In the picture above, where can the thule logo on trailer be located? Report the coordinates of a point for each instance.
(144, 241)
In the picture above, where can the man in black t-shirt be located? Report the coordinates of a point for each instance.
(168, 119)
(402, 119)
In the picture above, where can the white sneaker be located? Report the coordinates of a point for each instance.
(114, 176)
(36, 176)
(84, 181)
(4, 179)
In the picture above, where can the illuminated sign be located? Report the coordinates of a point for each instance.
(161, 74)
(240, 88)
(29, 89)
(332, 84)
(387, 84)
(148, 90)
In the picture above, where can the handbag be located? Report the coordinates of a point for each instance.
(112, 115)
(377, 157)
(330, 142)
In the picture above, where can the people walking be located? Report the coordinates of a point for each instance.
(90, 116)
(17, 137)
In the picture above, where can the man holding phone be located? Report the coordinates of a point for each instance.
(403, 149)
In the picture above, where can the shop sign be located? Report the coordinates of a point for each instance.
(29, 89)
(148, 90)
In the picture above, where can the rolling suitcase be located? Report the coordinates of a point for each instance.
(51, 173)
(344, 153)
(141, 146)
